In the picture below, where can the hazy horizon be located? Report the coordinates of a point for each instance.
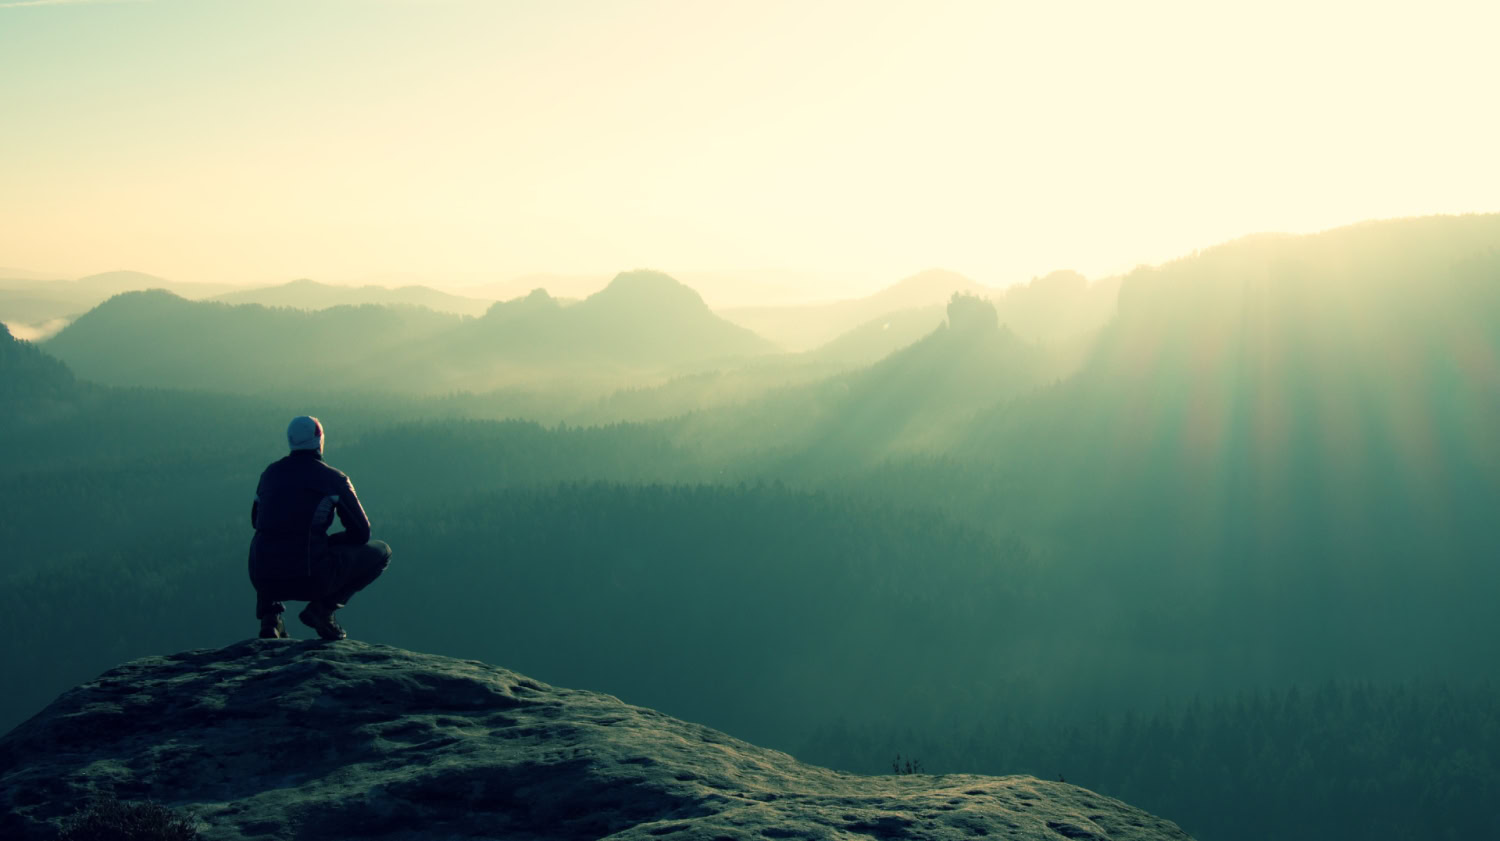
(721, 290)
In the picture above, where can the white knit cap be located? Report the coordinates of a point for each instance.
(305, 433)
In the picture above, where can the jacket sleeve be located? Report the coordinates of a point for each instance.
(351, 517)
(255, 504)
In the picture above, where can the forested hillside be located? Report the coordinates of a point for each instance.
(758, 608)
(1289, 427)
(158, 339)
(915, 402)
(29, 375)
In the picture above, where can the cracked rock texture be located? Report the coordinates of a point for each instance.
(279, 739)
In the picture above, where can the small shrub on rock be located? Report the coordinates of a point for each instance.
(910, 766)
(108, 819)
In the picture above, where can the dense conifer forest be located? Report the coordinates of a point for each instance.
(1336, 760)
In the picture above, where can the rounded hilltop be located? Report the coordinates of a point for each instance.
(278, 740)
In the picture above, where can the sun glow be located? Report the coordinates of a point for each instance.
(258, 142)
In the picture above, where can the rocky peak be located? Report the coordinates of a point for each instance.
(538, 301)
(279, 739)
(971, 313)
(644, 289)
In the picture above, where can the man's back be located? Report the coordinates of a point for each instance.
(294, 506)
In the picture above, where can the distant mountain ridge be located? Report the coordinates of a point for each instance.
(158, 339)
(1059, 306)
(37, 302)
(643, 321)
(10, 274)
(649, 315)
(916, 401)
(798, 328)
(116, 282)
(311, 295)
(923, 288)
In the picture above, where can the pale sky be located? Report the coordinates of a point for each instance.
(261, 140)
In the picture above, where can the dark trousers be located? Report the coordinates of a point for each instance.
(344, 571)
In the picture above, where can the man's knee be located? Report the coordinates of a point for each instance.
(370, 559)
(378, 554)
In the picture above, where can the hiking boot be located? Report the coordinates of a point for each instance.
(320, 619)
(272, 628)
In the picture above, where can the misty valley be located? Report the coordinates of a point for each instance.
(1216, 537)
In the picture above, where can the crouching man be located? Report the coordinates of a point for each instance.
(292, 556)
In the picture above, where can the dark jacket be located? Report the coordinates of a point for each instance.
(294, 506)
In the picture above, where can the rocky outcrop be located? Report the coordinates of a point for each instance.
(281, 739)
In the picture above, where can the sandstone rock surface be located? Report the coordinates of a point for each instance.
(280, 739)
